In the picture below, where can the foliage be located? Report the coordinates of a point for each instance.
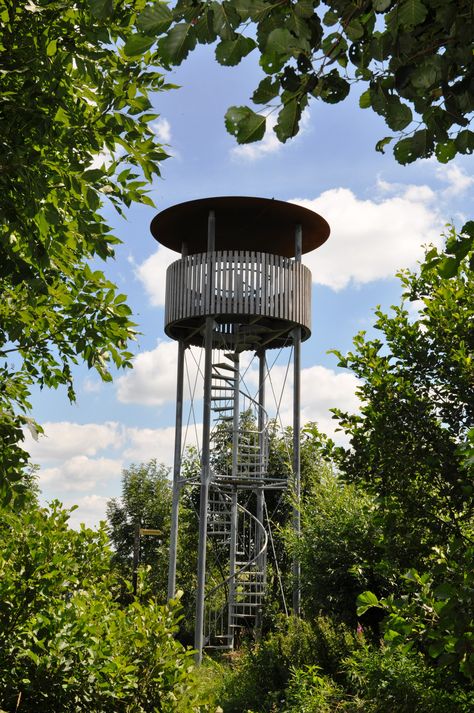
(65, 642)
(338, 549)
(310, 692)
(386, 680)
(414, 58)
(261, 672)
(435, 613)
(75, 127)
(417, 407)
(145, 503)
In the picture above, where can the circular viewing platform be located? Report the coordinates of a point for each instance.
(242, 223)
(256, 299)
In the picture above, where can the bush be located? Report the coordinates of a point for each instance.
(337, 549)
(65, 642)
(394, 679)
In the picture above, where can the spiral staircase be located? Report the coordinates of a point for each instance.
(237, 536)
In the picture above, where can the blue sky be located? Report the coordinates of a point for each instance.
(380, 214)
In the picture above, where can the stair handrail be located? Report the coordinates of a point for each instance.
(248, 564)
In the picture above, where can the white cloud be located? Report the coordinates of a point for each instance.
(152, 381)
(269, 144)
(457, 179)
(80, 473)
(162, 130)
(152, 274)
(92, 386)
(64, 439)
(372, 239)
(90, 511)
(147, 443)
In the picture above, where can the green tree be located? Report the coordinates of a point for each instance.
(66, 644)
(145, 503)
(413, 56)
(417, 407)
(75, 135)
(338, 549)
(411, 450)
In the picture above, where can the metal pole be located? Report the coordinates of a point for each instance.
(234, 508)
(205, 463)
(136, 556)
(204, 493)
(176, 473)
(296, 439)
(262, 463)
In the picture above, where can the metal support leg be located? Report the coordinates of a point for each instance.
(296, 440)
(204, 493)
(176, 474)
(234, 510)
(262, 457)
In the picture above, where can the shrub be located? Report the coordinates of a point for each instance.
(392, 679)
(65, 642)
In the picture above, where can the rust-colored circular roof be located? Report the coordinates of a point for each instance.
(242, 223)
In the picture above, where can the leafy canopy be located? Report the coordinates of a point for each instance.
(75, 133)
(413, 56)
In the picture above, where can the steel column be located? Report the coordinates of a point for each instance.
(176, 473)
(205, 461)
(296, 439)
(234, 510)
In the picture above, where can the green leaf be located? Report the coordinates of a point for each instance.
(354, 30)
(366, 601)
(465, 141)
(381, 5)
(411, 13)
(304, 8)
(380, 145)
(364, 100)
(137, 44)
(397, 115)
(279, 42)
(155, 18)
(266, 91)
(230, 52)
(445, 151)
(420, 145)
(101, 8)
(448, 267)
(226, 19)
(468, 228)
(51, 48)
(330, 18)
(288, 121)
(333, 88)
(245, 124)
(177, 44)
(427, 74)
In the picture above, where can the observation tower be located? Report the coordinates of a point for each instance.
(237, 291)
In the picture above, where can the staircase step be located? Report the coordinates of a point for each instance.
(222, 365)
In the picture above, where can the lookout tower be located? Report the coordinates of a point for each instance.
(239, 286)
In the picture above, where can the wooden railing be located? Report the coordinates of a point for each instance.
(238, 283)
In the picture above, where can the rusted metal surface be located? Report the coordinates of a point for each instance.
(241, 223)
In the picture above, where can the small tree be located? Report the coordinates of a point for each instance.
(145, 503)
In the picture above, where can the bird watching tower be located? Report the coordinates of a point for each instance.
(238, 287)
